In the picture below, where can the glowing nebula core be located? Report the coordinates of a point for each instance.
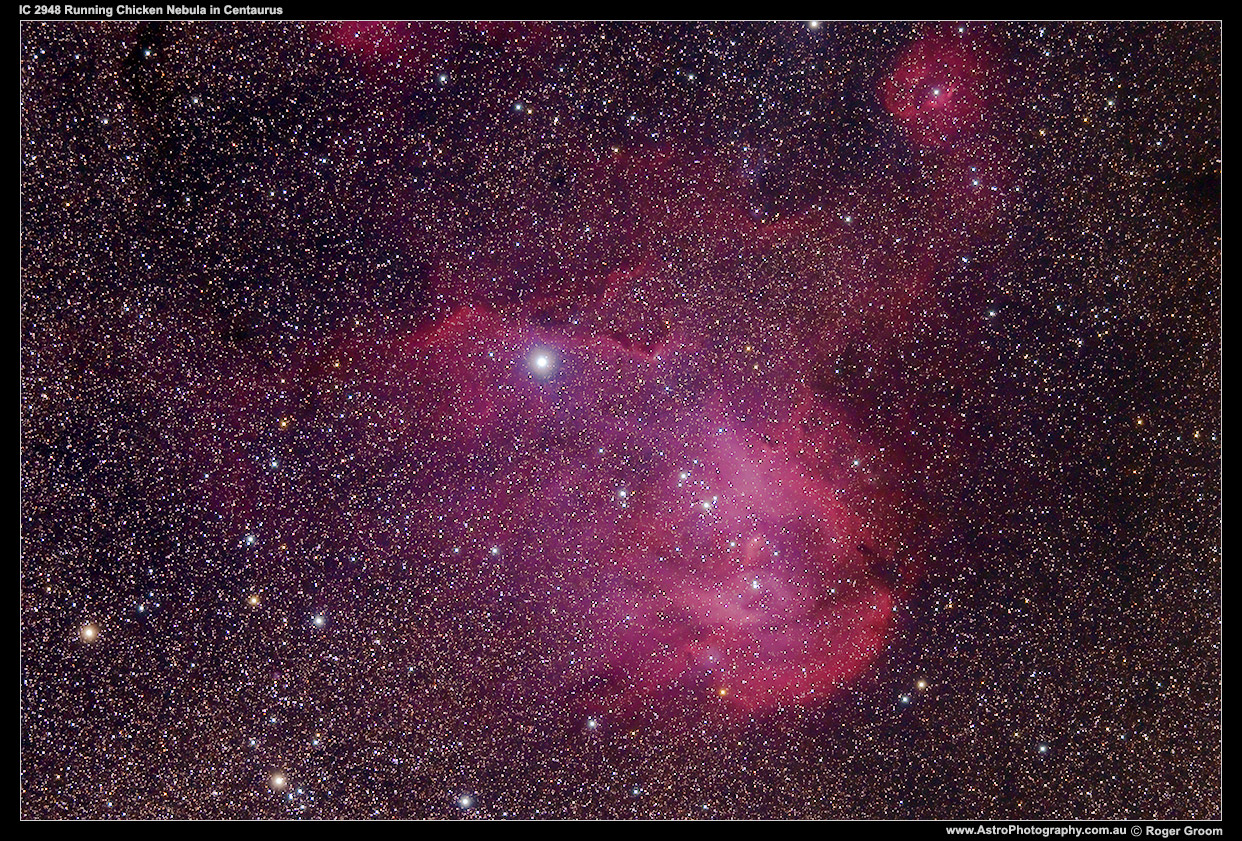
(720, 560)
(940, 88)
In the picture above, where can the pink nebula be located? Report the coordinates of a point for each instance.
(939, 88)
(698, 556)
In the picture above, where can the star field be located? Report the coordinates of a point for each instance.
(670, 420)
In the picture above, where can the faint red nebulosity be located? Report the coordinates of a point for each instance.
(524, 35)
(940, 87)
(425, 47)
(380, 39)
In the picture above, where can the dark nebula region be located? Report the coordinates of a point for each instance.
(519, 420)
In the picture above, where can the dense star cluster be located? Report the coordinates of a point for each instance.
(671, 420)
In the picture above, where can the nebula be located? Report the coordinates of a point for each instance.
(940, 88)
(742, 566)
(697, 556)
(698, 518)
(583, 424)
